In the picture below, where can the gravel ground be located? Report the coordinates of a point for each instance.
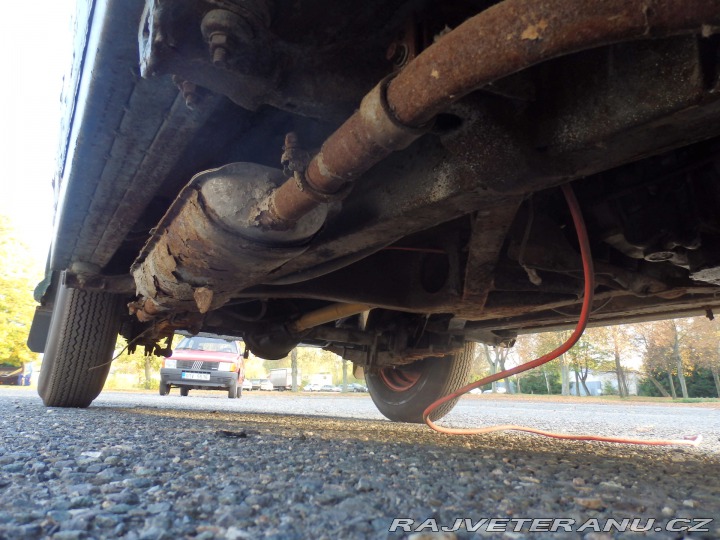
(144, 467)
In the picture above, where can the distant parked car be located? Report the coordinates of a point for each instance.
(11, 375)
(355, 387)
(327, 388)
(247, 385)
(204, 363)
(266, 385)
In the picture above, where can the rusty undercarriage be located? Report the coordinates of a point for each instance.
(381, 178)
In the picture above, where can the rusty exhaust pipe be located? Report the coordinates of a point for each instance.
(327, 314)
(504, 39)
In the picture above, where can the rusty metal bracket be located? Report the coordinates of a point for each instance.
(294, 158)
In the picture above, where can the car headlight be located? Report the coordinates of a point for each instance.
(226, 366)
(169, 363)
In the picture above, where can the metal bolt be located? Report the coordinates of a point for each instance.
(294, 158)
(220, 57)
(219, 50)
(189, 92)
(192, 101)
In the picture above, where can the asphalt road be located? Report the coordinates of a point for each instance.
(296, 466)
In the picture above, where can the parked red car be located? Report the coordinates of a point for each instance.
(204, 363)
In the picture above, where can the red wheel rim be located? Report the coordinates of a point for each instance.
(400, 379)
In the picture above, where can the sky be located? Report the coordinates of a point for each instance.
(36, 52)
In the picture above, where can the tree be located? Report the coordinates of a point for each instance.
(145, 367)
(620, 340)
(255, 368)
(651, 369)
(705, 347)
(294, 369)
(678, 359)
(310, 360)
(536, 345)
(682, 348)
(658, 361)
(543, 380)
(18, 275)
(479, 367)
(589, 354)
(496, 361)
(564, 366)
(547, 378)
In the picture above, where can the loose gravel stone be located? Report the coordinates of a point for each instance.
(145, 467)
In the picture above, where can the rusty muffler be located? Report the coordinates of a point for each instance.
(209, 244)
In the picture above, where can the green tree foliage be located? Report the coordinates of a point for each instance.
(700, 384)
(695, 356)
(255, 367)
(146, 369)
(538, 380)
(479, 368)
(620, 340)
(589, 354)
(532, 346)
(18, 276)
(704, 348)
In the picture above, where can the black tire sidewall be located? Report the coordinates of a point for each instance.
(55, 386)
(439, 377)
(57, 321)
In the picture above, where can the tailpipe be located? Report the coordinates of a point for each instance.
(210, 244)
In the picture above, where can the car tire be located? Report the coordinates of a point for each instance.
(184, 391)
(83, 331)
(233, 390)
(402, 394)
(164, 389)
(239, 392)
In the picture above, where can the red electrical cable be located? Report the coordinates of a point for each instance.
(589, 276)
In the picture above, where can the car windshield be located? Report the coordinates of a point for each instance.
(207, 344)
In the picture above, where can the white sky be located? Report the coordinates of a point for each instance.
(36, 52)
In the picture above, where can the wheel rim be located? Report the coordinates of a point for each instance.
(401, 378)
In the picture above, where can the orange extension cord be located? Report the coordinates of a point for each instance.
(588, 272)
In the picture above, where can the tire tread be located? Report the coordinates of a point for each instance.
(441, 376)
(86, 334)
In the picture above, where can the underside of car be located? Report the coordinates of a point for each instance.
(381, 179)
